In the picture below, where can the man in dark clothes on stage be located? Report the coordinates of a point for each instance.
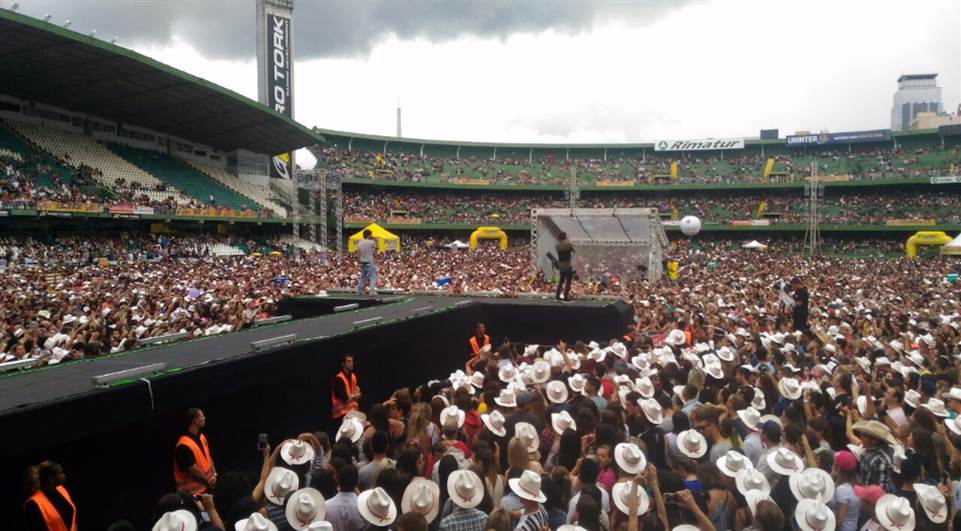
(800, 310)
(564, 250)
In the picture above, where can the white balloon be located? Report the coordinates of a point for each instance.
(690, 225)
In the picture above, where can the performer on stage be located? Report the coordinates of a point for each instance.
(564, 250)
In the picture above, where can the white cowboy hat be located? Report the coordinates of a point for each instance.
(540, 371)
(465, 488)
(619, 349)
(712, 366)
(733, 462)
(754, 497)
(789, 388)
(305, 506)
(297, 453)
(421, 496)
(862, 403)
(645, 387)
(477, 379)
(528, 486)
(751, 479)
(255, 522)
(376, 506)
(180, 520)
(812, 484)
(686, 527)
(785, 462)
(562, 421)
(758, 401)
(576, 383)
(506, 398)
(894, 513)
(527, 434)
(570, 527)
(621, 496)
(953, 394)
(495, 423)
(322, 525)
(451, 416)
(652, 411)
(936, 406)
(725, 354)
(932, 502)
(742, 332)
(675, 337)
(750, 416)
(912, 398)
(507, 373)
(916, 358)
(597, 355)
(280, 482)
(629, 458)
(556, 392)
(814, 515)
(351, 428)
(954, 424)
(692, 444)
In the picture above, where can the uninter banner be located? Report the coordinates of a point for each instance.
(705, 144)
(279, 86)
(823, 139)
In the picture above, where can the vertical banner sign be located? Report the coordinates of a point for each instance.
(279, 86)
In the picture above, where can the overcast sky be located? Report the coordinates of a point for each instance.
(560, 71)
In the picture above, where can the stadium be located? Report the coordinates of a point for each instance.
(755, 330)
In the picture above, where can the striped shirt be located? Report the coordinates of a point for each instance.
(532, 521)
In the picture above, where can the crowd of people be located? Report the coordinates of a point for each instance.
(636, 166)
(857, 207)
(757, 392)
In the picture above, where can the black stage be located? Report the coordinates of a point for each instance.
(130, 427)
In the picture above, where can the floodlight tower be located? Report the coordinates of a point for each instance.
(814, 189)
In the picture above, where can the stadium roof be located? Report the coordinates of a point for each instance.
(907, 77)
(46, 63)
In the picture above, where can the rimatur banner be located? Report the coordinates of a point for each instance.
(823, 139)
(705, 144)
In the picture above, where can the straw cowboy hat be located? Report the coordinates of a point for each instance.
(812, 484)
(752, 479)
(527, 434)
(874, 429)
(621, 496)
(376, 506)
(465, 488)
(421, 496)
(255, 522)
(814, 515)
(733, 462)
(296, 452)
(180, 520)
(280, 482)
(692, 444)
(305, 507)
(629, 458)
(562, 421)
(556, 392)
(894, 513)
(528, 486)
(495, 423)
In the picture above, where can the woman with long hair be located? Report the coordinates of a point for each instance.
(721, 504)
(484, 458)
(421, 432)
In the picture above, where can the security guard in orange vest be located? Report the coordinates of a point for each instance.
(50, 508)
(194, 470)
(479, 340)
(344, 391)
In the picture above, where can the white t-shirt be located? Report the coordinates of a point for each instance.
(365, 250)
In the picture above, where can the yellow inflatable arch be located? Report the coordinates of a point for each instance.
(926, 237)
(488, 233)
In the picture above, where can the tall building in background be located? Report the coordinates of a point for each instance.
(275, 68)
(916, 93)
(398, 119)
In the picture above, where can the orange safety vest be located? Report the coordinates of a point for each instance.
(50, 515)
(182, 478)
(338, 408)
(475, 348)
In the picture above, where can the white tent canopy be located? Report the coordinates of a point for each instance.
(754, 244)
(953, 247)
(457, 244)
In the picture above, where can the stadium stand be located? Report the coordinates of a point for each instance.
(255, 193)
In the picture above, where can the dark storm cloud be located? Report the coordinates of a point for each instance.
(224, 29)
